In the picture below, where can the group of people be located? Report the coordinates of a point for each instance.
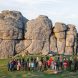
(42, 64)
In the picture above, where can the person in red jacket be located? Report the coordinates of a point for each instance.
(65, 64)
(48, 63)
(51, 59)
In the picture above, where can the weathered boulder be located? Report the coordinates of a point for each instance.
(53, 43)
(71, 30)
(71, 27)
(35, 47)
(22, 45)
(69, 51)
(19, 46)
(60, 35)
(11, 25)
(70, 40)
(7, 48)
(75, 47)
(61, 46)
(46, 47)
(59, 27)
(11, 31)
(20, 36)
(39, 28)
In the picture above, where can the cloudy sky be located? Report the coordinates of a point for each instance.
(57, 10)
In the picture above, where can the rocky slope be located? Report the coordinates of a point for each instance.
(19, 35)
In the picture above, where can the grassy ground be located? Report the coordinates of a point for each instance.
(24, 74)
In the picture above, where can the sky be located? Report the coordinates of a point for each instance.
(65, 11)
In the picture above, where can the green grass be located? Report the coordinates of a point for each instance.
(25, 74)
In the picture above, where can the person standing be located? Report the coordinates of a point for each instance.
(54, 65)
(8, 65)
(65, 64)
(70, 64)
(32, 65)
(61, 62)
(18, 65)
(40, 65)
(22, 63)
(48, 64)
(57, 64)
(25, 65)
(75, 63)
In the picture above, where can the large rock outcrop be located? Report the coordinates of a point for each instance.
(38, 32)
(19, 36)
(11, 30)
(71, 36)
(11, 25)
(53, 43)
(60, 34)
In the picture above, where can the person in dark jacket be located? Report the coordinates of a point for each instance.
(75, 64)
(57, 63)
(25, 65)
(22, 63)
(70, 64)
(8, 65)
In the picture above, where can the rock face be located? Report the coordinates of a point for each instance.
(38, 31)
(7, 48)
(60, 34)
(11, 25)
(11, 30)
(39, 28)
(53, 43)
(20, 36)
(71, 36)
(60, 27)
